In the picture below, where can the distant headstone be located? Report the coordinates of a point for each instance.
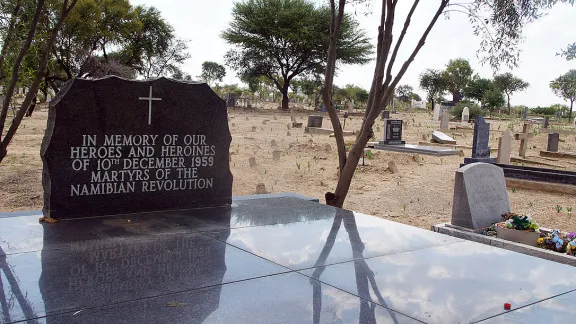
(553, 140)
(48, 98)
(480, 148)
(504, 147)
(523, 137)
(525, 116)
(350, 107)
(546, 121)
(445, 122)
(465, 115)
(385, 114)
(393, 132)
(323, 108)
(231, 101)
(315, 121)
(115, 146)
(480, 196)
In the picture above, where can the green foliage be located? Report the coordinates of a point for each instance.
(493, 99)
(569, 52)
(477, 88)
(457, 76)
(509, 84)
(212, 71)
(104, 37)
(433, 83)
(403, 92)
(518, 222)
(565, 87)
(549, 111)
(473, 108)
(369, 155)
(281, 39)
(558, 208)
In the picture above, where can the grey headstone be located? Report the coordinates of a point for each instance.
(553, 140)
(445, 122)
(115, 146)
(546, 122)
(480, 196)
(525, 116)
(480, 148)
(315, 121)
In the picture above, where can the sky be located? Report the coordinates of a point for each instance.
(202, 21)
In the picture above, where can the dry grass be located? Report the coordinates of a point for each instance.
(419, 195)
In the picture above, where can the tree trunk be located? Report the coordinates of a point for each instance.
(40, 74)
(509, 108)
(380, 93)
(570, 115)
(456, 97)
(8, 38)
(335, 22)
(15, 71)
(284, 91)
(432, 100)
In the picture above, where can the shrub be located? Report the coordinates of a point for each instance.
(474, 109)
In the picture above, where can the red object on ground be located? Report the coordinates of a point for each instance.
(507, 306)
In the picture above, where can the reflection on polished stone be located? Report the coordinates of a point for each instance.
(300, 245)
(275, 260)
(453, 283)
(284, 298)
(555, 310)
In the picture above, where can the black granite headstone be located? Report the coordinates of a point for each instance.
(480, 148)
(114, 146)
(393, 134)
(553, 140)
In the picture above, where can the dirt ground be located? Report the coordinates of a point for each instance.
(420, 194)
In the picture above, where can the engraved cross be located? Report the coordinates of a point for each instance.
(150, 99)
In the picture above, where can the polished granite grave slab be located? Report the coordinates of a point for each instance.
(272, 260)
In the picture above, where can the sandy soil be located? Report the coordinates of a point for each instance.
(420, 194)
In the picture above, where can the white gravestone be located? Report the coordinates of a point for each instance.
(465, 115)
(480, 196)
(437, 112)
(350, 107)
(504, 146)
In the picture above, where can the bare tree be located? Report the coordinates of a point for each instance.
(9, 33)
(16, 70)
(383, 85)
(67, 6)
(505, 19)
